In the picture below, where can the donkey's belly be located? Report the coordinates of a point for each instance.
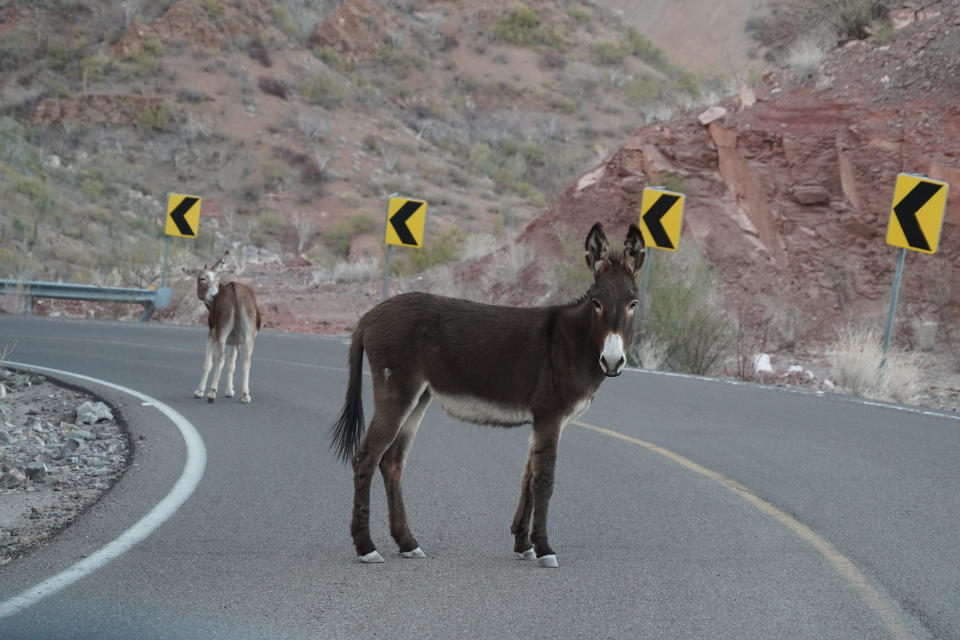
(480, 411)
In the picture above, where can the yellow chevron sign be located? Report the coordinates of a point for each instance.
(661, 216)
(917, 214)
(183, 215)
(405, 221)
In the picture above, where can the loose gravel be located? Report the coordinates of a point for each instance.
(60, 449)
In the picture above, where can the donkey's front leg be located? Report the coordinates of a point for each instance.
(231, 367)
(543, 452)
(207, 363)
(247, 357)
(521, 521)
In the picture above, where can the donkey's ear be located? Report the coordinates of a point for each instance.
(596, 247)
(634, 252)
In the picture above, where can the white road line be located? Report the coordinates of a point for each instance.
(188, 481)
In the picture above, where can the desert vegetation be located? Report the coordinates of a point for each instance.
(343, 129)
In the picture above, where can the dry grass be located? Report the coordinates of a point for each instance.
(859, 367)
(355, 271)
(649, 353)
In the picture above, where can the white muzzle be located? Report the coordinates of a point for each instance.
(613, 358)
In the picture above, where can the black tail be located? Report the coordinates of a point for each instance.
(348, 429)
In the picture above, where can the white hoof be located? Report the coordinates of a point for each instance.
(416, 553)
(526, 555)
(549, 561)
(198, 393)
(245, 398)
(211, 396)
(228, 393)
(371, 558)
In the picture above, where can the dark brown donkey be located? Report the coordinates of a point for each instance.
(486, 364)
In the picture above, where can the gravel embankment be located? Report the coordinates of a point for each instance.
(60, 450)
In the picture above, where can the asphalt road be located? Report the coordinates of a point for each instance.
(699, 509)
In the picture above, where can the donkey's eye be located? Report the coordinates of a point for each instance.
(597, 306)
(632, 306)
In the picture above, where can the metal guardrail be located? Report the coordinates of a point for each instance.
(152, 299)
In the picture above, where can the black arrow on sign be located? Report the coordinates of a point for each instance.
(906, 211)
(399, 221)
(652, 219)
(178, 216)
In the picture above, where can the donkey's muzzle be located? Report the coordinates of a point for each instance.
(615, 370)
(612, 358)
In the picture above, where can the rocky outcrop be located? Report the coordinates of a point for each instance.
(790, 194)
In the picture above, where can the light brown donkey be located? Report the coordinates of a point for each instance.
(490, 365)
(233, 320)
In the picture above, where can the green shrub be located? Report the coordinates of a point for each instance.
(609, 53)
(646, 89)
(685, 315)
(442, 248)
(18, 47)
(155, 118)
(640, 46)
(40, 197)
(145, 63)
(340, 235)
(521, 26)
(579, 14)
(273, 170)
(96, 66)
(92, 187)
(330, 57)
(324, 89)
(213, 7)
(281, 16)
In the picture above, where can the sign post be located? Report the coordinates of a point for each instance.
(661, 218)
(916, 219)
(405, 221)
(183, 220)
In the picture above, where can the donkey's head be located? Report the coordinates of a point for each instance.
(208, 280)
(613, 294)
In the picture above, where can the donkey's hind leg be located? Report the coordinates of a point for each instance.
(391, 409)
(391, 467)
(247, 346)
(231, 367)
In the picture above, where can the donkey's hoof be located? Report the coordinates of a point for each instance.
(228, 393)
(371, 558)
(198, 393)
(549, 561)
(529, 554)
(416, 553)
(245, 398)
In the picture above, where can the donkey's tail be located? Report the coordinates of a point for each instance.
(348, 429)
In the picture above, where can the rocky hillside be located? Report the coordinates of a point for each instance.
(293, 120)
(789, 185)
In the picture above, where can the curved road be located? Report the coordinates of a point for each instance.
(684, 508)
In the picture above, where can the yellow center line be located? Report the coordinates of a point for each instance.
(885, 608)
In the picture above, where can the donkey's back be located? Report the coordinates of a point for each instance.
(458, 346)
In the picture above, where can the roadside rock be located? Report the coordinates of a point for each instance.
(51, 470)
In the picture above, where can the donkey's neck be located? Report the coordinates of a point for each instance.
(574, 336)
(211, 294)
